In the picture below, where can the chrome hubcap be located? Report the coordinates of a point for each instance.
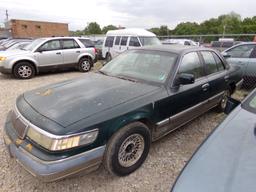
(24, 71)
(86, 65)
(131, 150)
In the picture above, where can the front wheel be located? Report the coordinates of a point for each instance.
(127, 149)
(84, 65)
(24, 70)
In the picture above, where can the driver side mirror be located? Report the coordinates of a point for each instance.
(185, 79)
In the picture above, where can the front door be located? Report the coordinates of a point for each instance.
(184, 101)
(50, 54)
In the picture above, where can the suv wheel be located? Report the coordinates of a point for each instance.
(24, 70)
(127, 149)
(84, 65)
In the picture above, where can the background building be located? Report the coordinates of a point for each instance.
(33, 29)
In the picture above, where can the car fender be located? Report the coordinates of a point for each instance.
(18, 59)
(85, 55)
(143, 114)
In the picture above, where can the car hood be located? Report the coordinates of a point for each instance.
(226, 162)
(14, 52)
(70, 101)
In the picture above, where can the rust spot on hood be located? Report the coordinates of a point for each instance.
(29, 147)
(45, 93)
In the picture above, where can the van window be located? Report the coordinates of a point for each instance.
(134, 42)
(117, 41)
(149, 41)
(109, 41)
(124, 41)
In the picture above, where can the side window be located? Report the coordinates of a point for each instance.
(192, 65)
(253, 53)
(186, 43)
(124, 40)
(219, 62)
(109, 41)
(69, 44)
(51, 45)
(117, 41)
(210, 62)
(241, 51)
(134, 42)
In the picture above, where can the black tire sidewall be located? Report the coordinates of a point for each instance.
(80, 68)
(16, 67)
(118, 169)
(109, 58)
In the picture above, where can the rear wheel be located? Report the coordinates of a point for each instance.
(24, 70)
(85, 65)
(127, 149)
(109, 57)
(223, 103)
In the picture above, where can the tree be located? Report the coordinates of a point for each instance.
(92, 28)
(107, 28)
(187, 28)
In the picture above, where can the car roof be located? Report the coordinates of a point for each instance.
(131, 32)
(52, 38)
(175, 48)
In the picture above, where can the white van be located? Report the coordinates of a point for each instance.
(118, 41)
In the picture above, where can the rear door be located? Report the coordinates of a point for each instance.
(217, 76)
(50, 54)
(70, 51)
(108, 46)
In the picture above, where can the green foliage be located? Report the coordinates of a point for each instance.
(107, 28)
(92, 28)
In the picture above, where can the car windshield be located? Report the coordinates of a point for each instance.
(33, 44)
(144, 65)
(145, 41)
(250, 103)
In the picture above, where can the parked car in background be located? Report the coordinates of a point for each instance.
(111, 116)
(9, 43)
(98, 45)
(188, 42)
(243, 55)
(47, 54)
(16, 45)
(118, 41)
(222, 45)
(226, 159)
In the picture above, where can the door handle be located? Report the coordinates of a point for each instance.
(205, 86)
(58, 53)
(78, 51)
(226, 78)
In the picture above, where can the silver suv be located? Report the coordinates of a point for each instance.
(46, 54)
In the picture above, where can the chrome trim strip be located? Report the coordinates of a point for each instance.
(163, 122)
(50, 135)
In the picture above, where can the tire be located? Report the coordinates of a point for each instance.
(133, 140)
(108, 58)
(24, 70)
(222, 105)
(84, 65)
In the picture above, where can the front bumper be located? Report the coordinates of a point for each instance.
(52, 170)
(5, 70)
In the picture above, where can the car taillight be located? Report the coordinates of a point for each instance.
(94, 50)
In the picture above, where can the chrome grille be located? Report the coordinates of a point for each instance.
(19, 125)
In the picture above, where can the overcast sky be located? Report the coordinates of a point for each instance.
(127, 13)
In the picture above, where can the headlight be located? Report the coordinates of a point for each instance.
(57, 143)
(3, 58)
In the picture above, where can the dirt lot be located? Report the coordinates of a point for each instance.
(165, 160)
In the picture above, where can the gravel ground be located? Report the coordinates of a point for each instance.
(166, 157)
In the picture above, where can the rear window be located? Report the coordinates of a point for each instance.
(109, 41)
(87, 42)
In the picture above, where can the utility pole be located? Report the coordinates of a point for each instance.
(6, 15)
